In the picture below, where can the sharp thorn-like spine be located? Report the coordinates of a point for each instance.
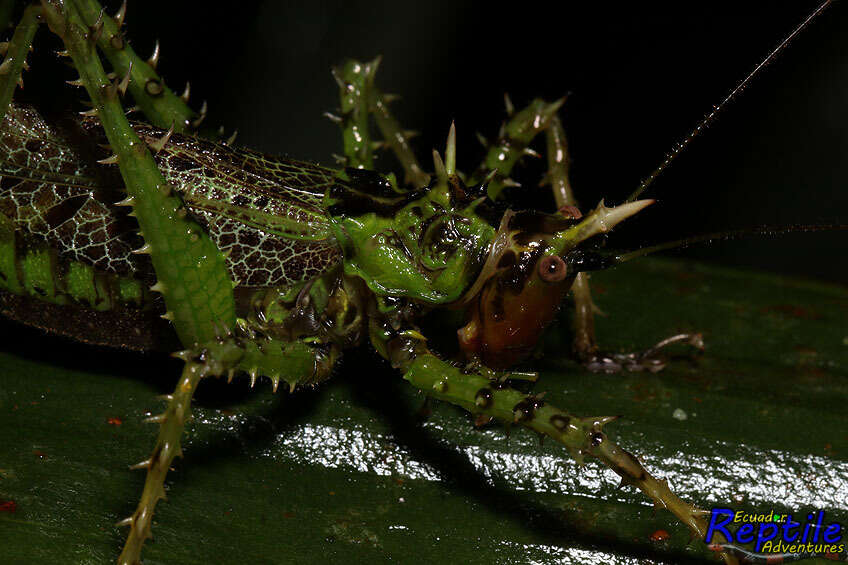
(89, 113)
(158, 287)
(141, 465)
(125, 82)
(154, 58)
(450, 151)
(510, 108)
(439, 166)
(124, 523)
(232, 138)
(96, 29)
(333, 117)
(201, 116)
(110, 160)
(186, 93)
(121, 14)
(143, 250)
(159, 144)
(183, 355)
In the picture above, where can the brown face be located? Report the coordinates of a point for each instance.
(516, 303)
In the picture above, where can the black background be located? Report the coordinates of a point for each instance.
(639, 78)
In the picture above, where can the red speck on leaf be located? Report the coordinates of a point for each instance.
(114, 421)
(40, 454)
(8, 506)
(660, 535)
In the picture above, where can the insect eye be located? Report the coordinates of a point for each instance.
(552, 269)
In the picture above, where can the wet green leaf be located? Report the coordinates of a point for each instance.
(350, 473)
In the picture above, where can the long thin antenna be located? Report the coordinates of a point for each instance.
(711, 117)
(724, 236)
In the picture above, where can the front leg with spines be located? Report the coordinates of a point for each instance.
(581, 436)
(513, 143)
(585, 343)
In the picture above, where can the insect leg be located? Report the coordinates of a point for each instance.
(355, 82)
(397, 139)
(581, 436)
(513, 139)
(584, 309)
(585, 343)
(168, 445)
(160, 105)
(15, 60)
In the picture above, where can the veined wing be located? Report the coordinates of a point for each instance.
(49, 190)
(263, 212)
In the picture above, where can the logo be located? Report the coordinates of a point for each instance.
(774, 535)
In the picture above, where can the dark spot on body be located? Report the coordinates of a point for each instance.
(261, 202)
(33, 145)
(7, 183)
(560, 422)
(525, 410)
(507, 260)
(483, 398)
(154, 87)
(597, 438)
(65, 210)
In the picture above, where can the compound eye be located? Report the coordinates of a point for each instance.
(552, 269)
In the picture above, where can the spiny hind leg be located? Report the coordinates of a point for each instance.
(585, 344)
